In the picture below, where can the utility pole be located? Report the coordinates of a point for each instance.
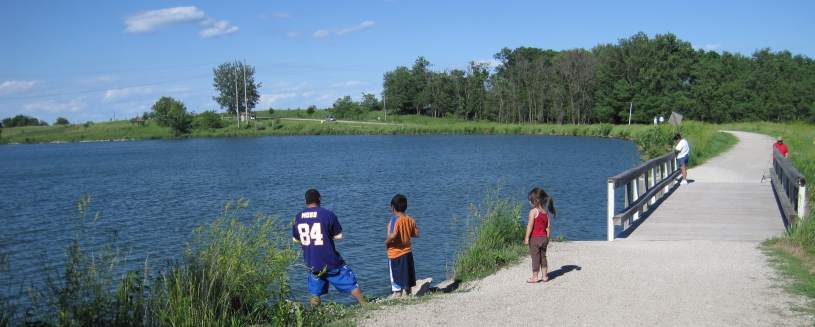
(245, 100)
(237, 104)
(630, 107)
(385, 105)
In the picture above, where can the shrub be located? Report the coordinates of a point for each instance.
(207, 120)
(172, 113)
(311, 109)
(62, 121)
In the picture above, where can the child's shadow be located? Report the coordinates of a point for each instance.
(562, 271)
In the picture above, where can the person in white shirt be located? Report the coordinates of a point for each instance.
(683, 155)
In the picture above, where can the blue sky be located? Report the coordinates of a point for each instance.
(93, 60)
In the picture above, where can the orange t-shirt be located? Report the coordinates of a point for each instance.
(404, 228)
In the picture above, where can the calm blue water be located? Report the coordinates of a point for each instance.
(153, 193)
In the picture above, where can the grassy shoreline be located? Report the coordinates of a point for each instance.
(652, 140)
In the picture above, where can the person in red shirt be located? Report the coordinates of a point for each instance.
(781, 147)
(538, 229)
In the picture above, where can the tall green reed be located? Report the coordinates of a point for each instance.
(494, 239)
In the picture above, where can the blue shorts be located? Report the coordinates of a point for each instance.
(682, 161)
(342, 278)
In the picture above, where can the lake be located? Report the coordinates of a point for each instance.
(153, 193)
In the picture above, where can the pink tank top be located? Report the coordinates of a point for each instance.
(540, 224)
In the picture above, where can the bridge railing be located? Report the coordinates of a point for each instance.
(790, 186)
(643, 186)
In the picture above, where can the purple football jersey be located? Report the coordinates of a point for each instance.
(315, 229)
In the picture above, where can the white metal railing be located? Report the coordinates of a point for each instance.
(790, 186)
(644, 185)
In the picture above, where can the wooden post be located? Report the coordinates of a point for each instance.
(802, 201)
(653, 182)
(627, 195)
(610, 211)
(636, 196)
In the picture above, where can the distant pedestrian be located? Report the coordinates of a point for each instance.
(683, 156)
(781, 147)
(538, 230)
(401, 228)
(316, 228)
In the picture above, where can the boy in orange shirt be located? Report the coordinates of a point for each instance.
(401, 229)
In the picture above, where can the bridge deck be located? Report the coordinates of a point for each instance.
(727, 200)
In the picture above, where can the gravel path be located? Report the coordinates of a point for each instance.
(645, 280)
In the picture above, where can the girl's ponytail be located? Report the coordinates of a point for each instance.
(547, 202)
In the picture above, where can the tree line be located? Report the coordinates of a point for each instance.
(652, 76)
(23, 120)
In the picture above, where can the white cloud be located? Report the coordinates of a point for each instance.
(267, 100)
(321, 33)
(148, 21)
(491, 63)
(55, 107)
(346, 84)
(114, 94)
(8, 87)
(293, 34)
(364, 25)
(213, 28)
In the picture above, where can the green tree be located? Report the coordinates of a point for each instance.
(311, 109)
(228, 78)
(62, 121)
(172, 113)
(399, 91)
(22, 120)
(370, 102)
(207, 120)
(271, 111)
(345, 107)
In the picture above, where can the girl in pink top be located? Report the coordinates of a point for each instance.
(538, 230)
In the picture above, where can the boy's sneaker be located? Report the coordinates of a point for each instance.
(684, 182)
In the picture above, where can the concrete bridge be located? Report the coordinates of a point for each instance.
(694, 261)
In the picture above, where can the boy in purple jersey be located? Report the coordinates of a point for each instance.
(316, 228)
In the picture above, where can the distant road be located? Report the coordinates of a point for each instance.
(344, 121)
